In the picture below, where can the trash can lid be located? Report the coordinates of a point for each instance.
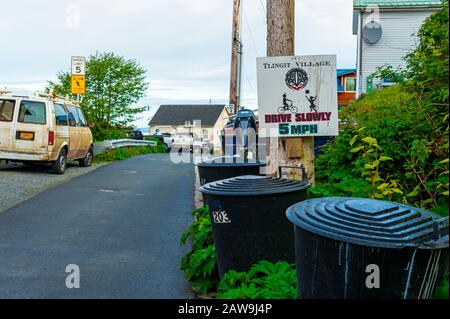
(370, 222)
(223, 161)
(253, 185)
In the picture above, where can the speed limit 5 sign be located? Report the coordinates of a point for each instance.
(78, 65)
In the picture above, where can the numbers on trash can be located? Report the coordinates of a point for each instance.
(221, 217)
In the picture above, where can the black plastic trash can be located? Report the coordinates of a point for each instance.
(224, 167)
(353, 248)
(247, 216)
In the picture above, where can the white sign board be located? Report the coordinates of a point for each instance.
(78, 65)
(297, 96)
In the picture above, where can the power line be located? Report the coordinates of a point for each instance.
(251, 34)
(263, 9)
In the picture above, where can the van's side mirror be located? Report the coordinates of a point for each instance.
(92, 124)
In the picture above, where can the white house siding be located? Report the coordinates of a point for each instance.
(399, 37)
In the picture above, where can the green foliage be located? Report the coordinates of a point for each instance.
(372, 153)
(442, 290)
(114, 84)
(264, 280)
(387, 72)
(428, 68)
(199, 264)
(123, 153)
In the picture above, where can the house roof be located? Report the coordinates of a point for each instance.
(179, 114)
(361, 4)
(341, 72)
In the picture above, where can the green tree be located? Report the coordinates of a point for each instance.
(114, 85)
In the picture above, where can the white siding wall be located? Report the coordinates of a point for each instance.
(399, 29)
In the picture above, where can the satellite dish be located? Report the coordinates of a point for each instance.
(372, 32)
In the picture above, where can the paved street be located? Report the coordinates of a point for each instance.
(120, 224)
(19, 182)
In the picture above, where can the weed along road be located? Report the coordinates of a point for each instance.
(119, 225)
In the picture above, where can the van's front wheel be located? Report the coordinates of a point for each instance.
(88, 159)
(59, 166)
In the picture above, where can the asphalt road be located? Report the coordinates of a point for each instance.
(20, 182)
(120, 224)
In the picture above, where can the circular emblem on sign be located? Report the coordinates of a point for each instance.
(296, 79)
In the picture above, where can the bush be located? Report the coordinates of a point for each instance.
(265, 280)
(199, 264)
(124, 153)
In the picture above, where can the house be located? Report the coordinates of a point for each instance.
(386, 31)
(180, 119)
(346, 84)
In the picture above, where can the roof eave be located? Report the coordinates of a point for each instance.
(429, 6)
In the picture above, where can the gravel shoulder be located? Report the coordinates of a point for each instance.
(19, 182)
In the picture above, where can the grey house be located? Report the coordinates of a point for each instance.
(180, 119)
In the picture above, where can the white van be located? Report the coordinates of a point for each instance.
(44, 129)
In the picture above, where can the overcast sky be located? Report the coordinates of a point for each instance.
(184, 44)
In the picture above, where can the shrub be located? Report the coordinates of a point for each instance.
(264, 280)
(199, 264)
(124, 153)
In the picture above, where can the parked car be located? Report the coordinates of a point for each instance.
(165, 138)
(186, 141)
(136, 135)
(44, 129)
(182, 141)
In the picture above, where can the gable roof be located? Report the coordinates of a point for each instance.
(361, 4)
(179, 114)
(341, 72)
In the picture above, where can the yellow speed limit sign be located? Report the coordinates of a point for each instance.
(78, 84)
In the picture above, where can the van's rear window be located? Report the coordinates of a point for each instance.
(32, 112)
(6, 110)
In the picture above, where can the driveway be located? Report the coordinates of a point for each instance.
(120, 224)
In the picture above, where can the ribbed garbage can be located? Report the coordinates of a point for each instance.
(354, 248)
(248, 219)
(224, 167)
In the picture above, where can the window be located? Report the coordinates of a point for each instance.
(6, 110)
(32, 112)
(350, 84)
(61, 115)
(83, 121)
(73, 115)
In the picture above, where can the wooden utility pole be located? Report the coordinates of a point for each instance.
(236, 51)
(286, 151)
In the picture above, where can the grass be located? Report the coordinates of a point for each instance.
(123, 153)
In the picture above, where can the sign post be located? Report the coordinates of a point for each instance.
(78, 75)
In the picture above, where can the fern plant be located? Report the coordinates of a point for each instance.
(264, 280)
(199, 264)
